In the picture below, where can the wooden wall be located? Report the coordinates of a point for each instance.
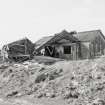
(74, 51)
(97, 47)
(93, 48)
(22, 47)
(84, 50)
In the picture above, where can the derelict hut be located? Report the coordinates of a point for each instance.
(92, 43)
(20, 50)
(62, 45)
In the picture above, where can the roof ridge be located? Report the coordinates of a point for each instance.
(20, 39)
(89, 31)
(46, 36)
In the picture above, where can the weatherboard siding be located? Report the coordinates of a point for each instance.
(93, 48)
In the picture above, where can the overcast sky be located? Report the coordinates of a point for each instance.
(37, 18)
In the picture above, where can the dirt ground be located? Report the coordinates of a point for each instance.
(32, 82)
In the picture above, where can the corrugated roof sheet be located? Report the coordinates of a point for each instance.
(64, 34)
(55, 38)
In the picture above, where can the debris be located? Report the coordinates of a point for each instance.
(77, 82)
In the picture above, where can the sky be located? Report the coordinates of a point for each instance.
(37, 18)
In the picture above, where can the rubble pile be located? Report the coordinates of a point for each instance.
(77, 82)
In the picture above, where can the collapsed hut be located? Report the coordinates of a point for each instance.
(19, 50)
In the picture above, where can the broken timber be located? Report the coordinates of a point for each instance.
(20, 50)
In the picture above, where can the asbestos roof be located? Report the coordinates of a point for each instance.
(88, 35)
(42, 41)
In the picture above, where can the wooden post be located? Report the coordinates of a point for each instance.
(2, 54)
(25, 46)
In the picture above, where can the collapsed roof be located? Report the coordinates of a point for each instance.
(72, 36)
(53, 39)
(19, 48)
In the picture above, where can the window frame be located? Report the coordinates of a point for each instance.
(67, 49)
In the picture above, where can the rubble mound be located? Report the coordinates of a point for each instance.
(77, 82)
